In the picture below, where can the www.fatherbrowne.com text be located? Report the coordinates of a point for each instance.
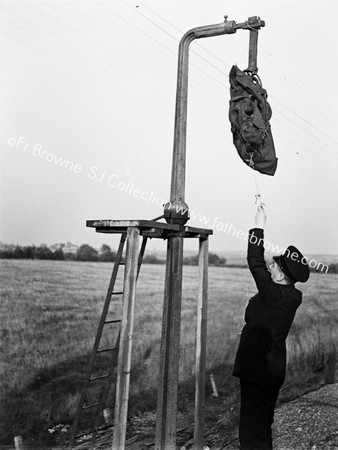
(128, 187)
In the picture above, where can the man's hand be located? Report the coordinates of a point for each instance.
(260, 217)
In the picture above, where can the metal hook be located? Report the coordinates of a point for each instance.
(258, 200)
(251, 162)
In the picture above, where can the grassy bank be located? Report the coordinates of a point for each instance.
(49, 314)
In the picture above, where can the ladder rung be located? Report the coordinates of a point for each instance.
(92, 405)
(117, 293)
(122, 263)
(107, 349)
(99, 378)
(113, 321)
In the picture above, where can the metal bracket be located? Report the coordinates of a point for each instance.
(253, 24)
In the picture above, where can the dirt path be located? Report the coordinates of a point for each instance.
(309, 422)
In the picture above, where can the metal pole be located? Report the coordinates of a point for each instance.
(170, 346)
(176, 211)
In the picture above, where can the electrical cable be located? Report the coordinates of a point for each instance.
(142, 99)
(287, 118)
(162, 29)
(281, 103)
(114, 74)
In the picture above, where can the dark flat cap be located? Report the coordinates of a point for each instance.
(293, 264)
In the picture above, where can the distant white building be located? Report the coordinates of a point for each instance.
(70, 248)
(7, 247)
(66, 248)
(55, 247)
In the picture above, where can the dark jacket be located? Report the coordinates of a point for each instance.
(261, 354)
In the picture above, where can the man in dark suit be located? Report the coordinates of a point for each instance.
(261, 355)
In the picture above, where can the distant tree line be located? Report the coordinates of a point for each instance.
(214, 260)
(105, 254)
(83, 253)
(31, 252)
(333, 268)
(87, 253)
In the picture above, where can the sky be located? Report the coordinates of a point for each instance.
(87, 119)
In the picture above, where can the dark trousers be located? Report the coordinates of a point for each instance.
(256, 417)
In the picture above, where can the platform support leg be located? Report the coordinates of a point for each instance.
(170, 345)
(201, 340)
(124, 358)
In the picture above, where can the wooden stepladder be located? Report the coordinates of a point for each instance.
(120, 353)
(119, 361)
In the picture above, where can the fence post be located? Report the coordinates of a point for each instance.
(107, 414)
(18, 443)
(331, 367)
(213, 385)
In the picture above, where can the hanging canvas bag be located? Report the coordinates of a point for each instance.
(249, 115)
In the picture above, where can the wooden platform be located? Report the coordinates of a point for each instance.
(148, 228)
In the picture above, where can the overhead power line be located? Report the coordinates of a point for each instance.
(312, 126)
(216, 98)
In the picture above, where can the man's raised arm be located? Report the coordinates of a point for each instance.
(255, 254)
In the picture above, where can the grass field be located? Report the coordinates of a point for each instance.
(49, 315)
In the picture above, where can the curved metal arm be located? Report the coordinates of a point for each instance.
(177, 211)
